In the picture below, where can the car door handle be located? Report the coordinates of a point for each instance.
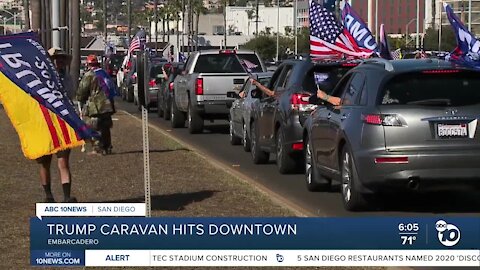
(344, 116)
(329, 115)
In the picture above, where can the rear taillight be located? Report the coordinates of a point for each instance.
(228, 51)
(349, 64)
(300, 102)
(199, 86)
(441, 71)
(170, 86)
(152, 83)
(383, 120)
(391, 160)
(297, 146)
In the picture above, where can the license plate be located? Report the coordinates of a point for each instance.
(456, 130)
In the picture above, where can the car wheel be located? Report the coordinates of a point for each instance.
(124, 93)
(258, 156)
(234, 139)
(313, 179)
(245, 140)
(195, 121)
(352, 199)
(285, 162)
(167, 107)
(160, 105)
(130, 95)
(177, 118)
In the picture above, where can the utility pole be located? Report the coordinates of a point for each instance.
(105, 21)
(278, 28)
(75, 35)
(225, 23)
(56, 23)
(36, 15)
(295, 20)
(129, 14)
(155, 6)
(26, 11)
(417, 42)
(256, 18)
(183, 25)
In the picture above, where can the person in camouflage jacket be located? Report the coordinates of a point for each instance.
(96, 95)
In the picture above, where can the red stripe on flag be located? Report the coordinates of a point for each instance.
(51, 127)
(64, 129)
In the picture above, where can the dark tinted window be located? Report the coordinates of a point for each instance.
(350, 96)
(225, 63)
(156, 72)
(332, 74)
(454, 89)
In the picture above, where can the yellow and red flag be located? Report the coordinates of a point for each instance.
(30, 91)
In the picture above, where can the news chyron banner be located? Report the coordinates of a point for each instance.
(133, 240)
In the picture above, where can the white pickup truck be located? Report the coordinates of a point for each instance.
(200, 92)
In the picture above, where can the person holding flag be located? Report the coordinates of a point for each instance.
(96, 93)
(60, 60)
(34, 97)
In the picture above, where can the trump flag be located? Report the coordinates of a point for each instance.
(32, 96)
(358, 30)
(468, 47)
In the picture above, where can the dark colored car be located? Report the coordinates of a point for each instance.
(241, 110)
(276, 125)
(165, 94)
(402, 125)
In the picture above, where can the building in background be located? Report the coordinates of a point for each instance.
(398, 16)
(461, 9)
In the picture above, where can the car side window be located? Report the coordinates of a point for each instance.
(342, 86)
(354, 89)
(275, 77)
(282, 82)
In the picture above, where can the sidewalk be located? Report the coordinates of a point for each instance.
(183, 184)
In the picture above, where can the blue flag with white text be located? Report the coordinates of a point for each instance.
(466, 52)
(358, 29)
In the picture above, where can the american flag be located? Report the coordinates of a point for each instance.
(137, 44)
(397, 54)
(328, 38)
(247, 65)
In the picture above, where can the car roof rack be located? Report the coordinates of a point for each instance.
(386, 63)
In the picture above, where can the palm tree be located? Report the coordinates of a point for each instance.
(250, 16)
(198, 9)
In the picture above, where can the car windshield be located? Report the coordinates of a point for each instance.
(432, 89)
(330, 75)
(225, 63)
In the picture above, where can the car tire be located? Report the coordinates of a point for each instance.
(234, 139)
(353, 200)
(258, 156)
(130, 96)
(313, 179)
(194, 120)
(160, 111)
(177, 118)
(285, 162)
(166, 110)
(246, 139)
(124, 93)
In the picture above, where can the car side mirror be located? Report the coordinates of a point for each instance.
(256, 93)
(232, 95)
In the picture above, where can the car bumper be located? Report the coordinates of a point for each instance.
(215, 109)
(424, 171)
(293, 132)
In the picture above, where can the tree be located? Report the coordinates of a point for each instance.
(198, 9)
(448, 42)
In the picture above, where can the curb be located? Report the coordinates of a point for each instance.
(276, 198)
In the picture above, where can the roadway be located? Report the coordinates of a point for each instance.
(214, 142)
